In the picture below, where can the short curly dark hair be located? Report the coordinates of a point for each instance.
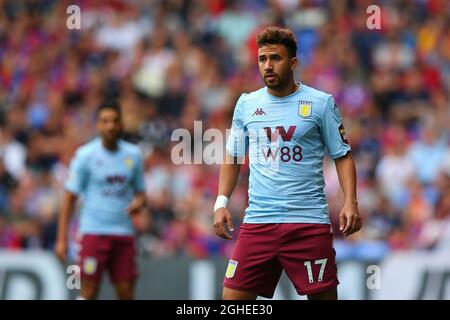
(110, 104)
(278, 35)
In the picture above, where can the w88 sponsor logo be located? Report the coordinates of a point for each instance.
(285, 153)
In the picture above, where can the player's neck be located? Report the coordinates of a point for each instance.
(286, 91)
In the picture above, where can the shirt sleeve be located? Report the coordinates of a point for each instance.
(237, 143)
(78, 174)
(332, 130)
(138, 178)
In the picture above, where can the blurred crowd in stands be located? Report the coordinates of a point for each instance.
(171, 62)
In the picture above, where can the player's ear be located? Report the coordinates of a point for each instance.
(294, 62)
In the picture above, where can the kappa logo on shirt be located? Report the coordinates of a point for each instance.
(98, 162)
(259, 112)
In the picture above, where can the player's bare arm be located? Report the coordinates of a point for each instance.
(349, 218)
(138, 203)
(63, 224)
(229, 174)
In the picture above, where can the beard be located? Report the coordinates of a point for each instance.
(276, 83)
(111, 137)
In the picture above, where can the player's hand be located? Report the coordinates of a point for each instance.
(349, 219)
(61, 250)
(221, 217)
(135, 206)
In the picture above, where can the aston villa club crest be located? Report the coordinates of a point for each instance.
(305, 108)
(128, 162)
(232, 265)
(90, 265)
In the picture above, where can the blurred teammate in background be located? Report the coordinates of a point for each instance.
(286, 127)
(108, 173)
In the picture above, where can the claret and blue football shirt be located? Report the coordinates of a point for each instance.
(286, 139)
(106, 180)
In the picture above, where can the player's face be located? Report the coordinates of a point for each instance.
(276, 66)
(109, 125)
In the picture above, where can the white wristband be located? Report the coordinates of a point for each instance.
(221, 202)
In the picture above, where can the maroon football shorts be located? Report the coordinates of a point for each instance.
(113, 253)
(305, 251)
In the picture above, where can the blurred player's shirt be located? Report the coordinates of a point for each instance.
(106, 180)
(286, 140)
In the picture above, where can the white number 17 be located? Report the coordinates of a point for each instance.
(322, 263)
